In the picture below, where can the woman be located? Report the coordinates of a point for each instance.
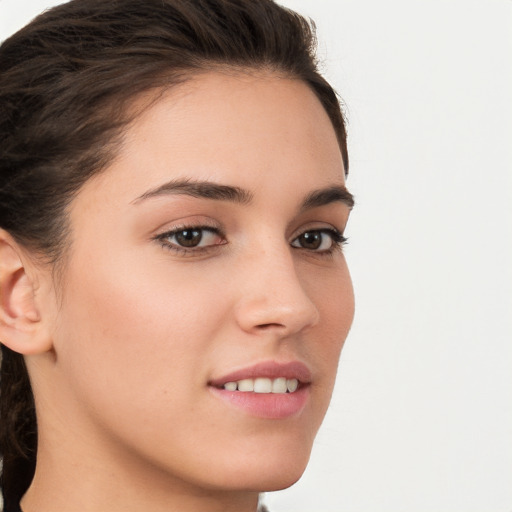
(172, 209)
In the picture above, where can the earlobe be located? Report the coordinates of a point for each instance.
(21, 325)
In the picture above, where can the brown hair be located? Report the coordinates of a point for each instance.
(65, 82)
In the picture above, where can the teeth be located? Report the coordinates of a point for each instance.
(280, 385)
(262, 386)
(246, 385)
(292, 385)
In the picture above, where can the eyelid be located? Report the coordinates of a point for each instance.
(337, 237)
(164, 236)
(188, 222)
(323, 226)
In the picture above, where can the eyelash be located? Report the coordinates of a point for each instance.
(338, 240)
(163, 238)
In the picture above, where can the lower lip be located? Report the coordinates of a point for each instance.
(266, 405)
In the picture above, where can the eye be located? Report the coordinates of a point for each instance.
(319, 240)
(190, 238)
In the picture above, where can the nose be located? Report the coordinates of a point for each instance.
(272, 296)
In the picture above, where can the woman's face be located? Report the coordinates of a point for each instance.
(207, 259)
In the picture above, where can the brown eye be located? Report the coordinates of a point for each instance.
(311, 240)
(189, 237)
(319, 240)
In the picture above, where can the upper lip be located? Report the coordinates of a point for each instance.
(269, 370)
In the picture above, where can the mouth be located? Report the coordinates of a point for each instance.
(281, 385)
(266, 390)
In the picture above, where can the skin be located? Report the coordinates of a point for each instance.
(122, 348)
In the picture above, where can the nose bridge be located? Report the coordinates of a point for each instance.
(273, 296)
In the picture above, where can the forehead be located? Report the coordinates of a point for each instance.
(257, 131)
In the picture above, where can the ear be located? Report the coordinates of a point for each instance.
(21, 327)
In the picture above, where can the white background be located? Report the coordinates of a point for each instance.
(421, 420)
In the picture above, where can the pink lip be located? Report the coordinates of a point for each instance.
(266, 405)
(269, 370)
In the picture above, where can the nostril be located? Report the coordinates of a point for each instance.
(269, 326)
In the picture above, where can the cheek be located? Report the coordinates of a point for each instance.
(133, 332)
(334, 298)
(332, 293)
(132, 349)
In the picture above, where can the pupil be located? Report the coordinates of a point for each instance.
(189, 237)
(311, 240)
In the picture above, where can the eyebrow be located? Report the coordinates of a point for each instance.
(328, 195)
(219, 192)
(200, 189)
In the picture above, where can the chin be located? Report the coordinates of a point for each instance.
(266, 479)
(267, 456)
(282, 480)
(268, 470)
